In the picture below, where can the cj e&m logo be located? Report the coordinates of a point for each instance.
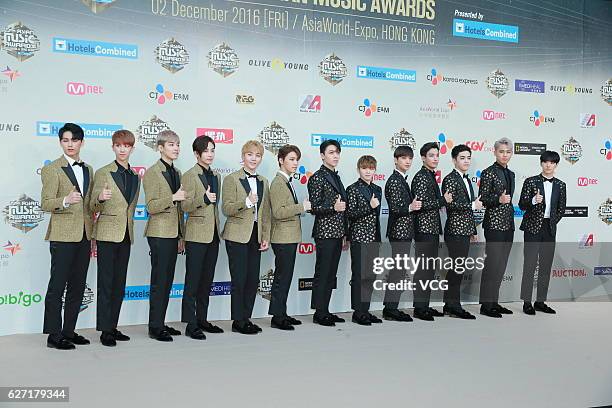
(539, 119)
(368, 108)
(163, 95)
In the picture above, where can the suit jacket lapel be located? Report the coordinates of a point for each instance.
(119, 182)
(245, 183)
(540, 186)
(403, 182)
(459, 179)
(554, 198)
(70, 173)
(259, 191)
(215, 185)
(134, 186)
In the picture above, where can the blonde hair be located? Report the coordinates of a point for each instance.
(252, 145)
(166, 136)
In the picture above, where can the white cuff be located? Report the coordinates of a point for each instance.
(473, 205)
(248, 202)
(533, 201)
(64, 203)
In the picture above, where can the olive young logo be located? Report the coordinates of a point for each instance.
(402, 138)
(606, 92)
(223, 60)
(279, 65)
(97, 6)
(265, 285)
(332, 69)
(19, 41)
(605, 211)
(436, 78)
(497, 83)
(172, 55)
(24, 213)
(273, 137)
(570, 89)
(571, 150)
(148, 131)
(21, 299)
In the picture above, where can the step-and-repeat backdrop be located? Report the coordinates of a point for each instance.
(373, 74)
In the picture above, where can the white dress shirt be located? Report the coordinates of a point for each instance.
(288, 177)
(78, 174)
(467, 187)
(253, 184)
(405, 176)
(547, 197)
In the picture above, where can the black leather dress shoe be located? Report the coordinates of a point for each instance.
(397, 315)
(60, 343)
(502, 310)
(196, 334)
(374, 318)
(544, 308)
(281, 324)
(336, 318)
(423, 314)
(172, 331)
(120, 336)
(210, 328)
(458, 312)
(243, 328)
(489, 311)
(160, 335)
(77, 339)
(528, 309)
(324, 320)
(250, 323)
(108, 339)
(293, 321)
(435, 312)
(362, 319)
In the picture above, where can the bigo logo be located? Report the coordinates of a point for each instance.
(306, 248)
(607, 150)
(21, 299)
(80, 88)
(585, 181)
(445, 144)
(368, 108)
(303, 175)
(539, 119)
(163, 95)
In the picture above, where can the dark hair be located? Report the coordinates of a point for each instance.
(550, 156)
(458, 149)
(403, 151)
(201, 143)
(76, 130)
(285, 150)
(366, 162)
(427, 147)
(329, 142)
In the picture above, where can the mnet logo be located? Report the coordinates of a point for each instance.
(587, 120)
(306, 248)
(79, 88)
(223, 136)
(492, 115)
(310, 104)
(587, 241)
(585, 181)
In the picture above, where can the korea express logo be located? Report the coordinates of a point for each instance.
(94, 48)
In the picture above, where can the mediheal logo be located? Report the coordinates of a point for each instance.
(95, 48)
(92, 130)
(493, 115)
(386, 74)
(587, 120)
(485, 31)
(602, 270)
(223, 136)
(80, 88)
(348, 141)
(525, 85)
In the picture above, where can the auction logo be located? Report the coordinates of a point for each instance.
(332, 69)
(19, 41)
(489, 114)
(537, 118)
(587, 120)
(586, 181)
(279, 65)
(80, 88)
(497, 83)
(607, 150)
(570, 89)
(273, 137)
(444, 143)
(97, 6)
(223, 136)
(223, 60)
(310, 103)
(606, 92)
(571, 150)
(148, 131)
(265, 285)
(162, 95)
(172, 55)
(368, 108)
(525, 85)
(569, 273)
(605, 211)
(24, 213)
(435, 78)
(402, 138)
(10, 73)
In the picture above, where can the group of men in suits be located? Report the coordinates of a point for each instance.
(260, 215)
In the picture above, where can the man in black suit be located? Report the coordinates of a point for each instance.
(496, 190)
(543, 199)
(460, 227)
(328, 204)
(400, 225)
(428, 227)
(363, 211)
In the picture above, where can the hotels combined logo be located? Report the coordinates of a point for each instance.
(19, 41)
(332, 69)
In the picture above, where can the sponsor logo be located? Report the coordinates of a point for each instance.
(485, 31)
(279, 65)
(538, 119)
(94, 48)
(265, 285)
(602, 270)
(586, 181)
(23, 213)
(306, 248)
(9, 127)
(11, 74)
(451, 104)
(386, 74)
(570, 89)
(171, 55)
(489, 114)
(569, 273)
(97, 6)
(606, 151)
(91, 130)
(163, 95)
(587, 120)
(348, 141)
(273, 137)
(141, 213)
(303, 175)
(478, 146)
(605, 211)
(606, 92)
(88, 298)
(479, 216)
(438, 175)
(12, 248)
(149, 129)
(445, 144)
(368, 108)
(142, 292)
(19, 41)
(476, 178)
(223, 60)
(535, 149)
(571, 151)
(306, 284)
(245, 99)
(497, 83)
(586, 241)
(139, 170)
(310, 104)
(332, 69)
(525, 85)
(518, 213)
(20, 299)
(80, 88)
(437, 112)
(402, 138)
(378, 177)
(221, 288)
(223, 136)
(436, 78)
(576, 212)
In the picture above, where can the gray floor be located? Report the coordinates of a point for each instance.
(518, 361)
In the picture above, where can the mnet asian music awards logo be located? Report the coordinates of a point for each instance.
(24, 213)
(223, 60)
(310, 104)
(172, 55)
(571, 150)
(265, 285)
(402, 138)
(497, 83)
(88, 298)
(148, 131)
(273, 137)
(332, 69)
(19, 41)
(97, 6)
(587, 120)
(605, 211)
(606, 92)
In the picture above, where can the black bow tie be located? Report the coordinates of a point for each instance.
(249, 175)
(465, 176)
(549, 180)
(208, 172)
(82, 164)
